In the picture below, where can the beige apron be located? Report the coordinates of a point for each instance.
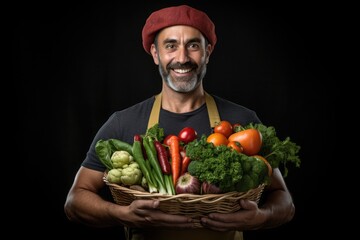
(188, 234)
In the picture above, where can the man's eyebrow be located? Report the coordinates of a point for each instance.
(196, 39)
(169, 40)
(191, 40)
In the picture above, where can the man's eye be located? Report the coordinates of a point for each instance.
(194, 46)
(169, 46)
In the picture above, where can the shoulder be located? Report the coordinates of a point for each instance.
(235, 112)
(136, 111)
(123, 124)
(144, 105)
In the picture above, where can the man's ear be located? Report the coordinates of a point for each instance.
(208, 50)
(154, 54)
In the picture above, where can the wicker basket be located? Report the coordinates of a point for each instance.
(192, 205)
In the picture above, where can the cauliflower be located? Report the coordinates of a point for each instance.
(121, 158)
(114, 175)
(131, 175)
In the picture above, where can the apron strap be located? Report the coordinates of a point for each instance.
(155, 111)
(210, 104)
(212, 110)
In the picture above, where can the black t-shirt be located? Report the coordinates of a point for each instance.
(124, 124)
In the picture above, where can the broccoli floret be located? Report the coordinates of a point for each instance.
(199, 149)
(220, 165)
(246, 184)
(255, 173)
(225, 168)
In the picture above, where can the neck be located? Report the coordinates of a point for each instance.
(182, 102)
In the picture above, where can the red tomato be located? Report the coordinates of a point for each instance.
(250, 139)
(166, 139)
(236, 146)
(187, 134)
(224, 127)
(217, 139)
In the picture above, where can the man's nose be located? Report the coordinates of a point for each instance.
(182, 55)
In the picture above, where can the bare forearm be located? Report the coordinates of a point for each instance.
(280, 208)
(90, 209)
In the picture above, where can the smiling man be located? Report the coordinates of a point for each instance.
(180, 40)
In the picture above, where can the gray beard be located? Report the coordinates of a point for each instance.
(182, 84)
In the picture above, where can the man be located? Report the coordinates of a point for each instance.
(180, 40)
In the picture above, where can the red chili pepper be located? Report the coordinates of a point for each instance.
(137, 137)
(162, 158)
(184, 165)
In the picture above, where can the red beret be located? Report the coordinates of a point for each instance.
(179, 15)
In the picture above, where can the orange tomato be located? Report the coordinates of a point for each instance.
(236, 146)
(224, 127)
(217, 139)
(266, 162)
(250, 139)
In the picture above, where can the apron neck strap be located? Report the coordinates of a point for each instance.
(213, 112)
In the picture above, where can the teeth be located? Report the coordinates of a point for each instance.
(182, 70)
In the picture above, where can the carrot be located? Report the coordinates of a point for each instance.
(175, 158)
(162, 158)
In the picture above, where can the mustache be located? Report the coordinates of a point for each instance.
(182, 65)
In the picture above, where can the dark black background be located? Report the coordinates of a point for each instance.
(74, 64)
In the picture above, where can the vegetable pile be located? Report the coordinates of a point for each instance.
(232, 158)
(225, 168)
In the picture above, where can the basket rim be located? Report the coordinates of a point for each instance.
(186, 197)
(192, 205)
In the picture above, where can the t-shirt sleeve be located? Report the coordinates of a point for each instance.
(108, 130)
(122, 125)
